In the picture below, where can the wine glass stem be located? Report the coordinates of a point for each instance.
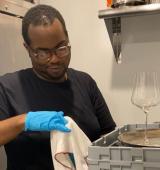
(146, 123)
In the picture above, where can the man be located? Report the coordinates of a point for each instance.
(33, 101)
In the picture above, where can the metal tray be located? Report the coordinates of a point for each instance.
(136, 138)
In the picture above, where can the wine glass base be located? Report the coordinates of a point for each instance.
(146, 141)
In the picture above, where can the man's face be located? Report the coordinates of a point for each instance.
(46, 40)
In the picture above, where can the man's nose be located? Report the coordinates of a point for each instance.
(54, 57)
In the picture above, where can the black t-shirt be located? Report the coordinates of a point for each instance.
(78, 97)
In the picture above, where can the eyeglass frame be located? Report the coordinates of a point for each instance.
(50, 52)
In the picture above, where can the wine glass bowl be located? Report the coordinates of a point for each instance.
(146, 94)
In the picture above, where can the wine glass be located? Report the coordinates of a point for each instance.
(146, 94)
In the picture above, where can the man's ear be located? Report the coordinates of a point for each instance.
(26, 46)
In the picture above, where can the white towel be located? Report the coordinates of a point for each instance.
(75, 142)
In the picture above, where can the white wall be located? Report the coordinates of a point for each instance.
(92, 52)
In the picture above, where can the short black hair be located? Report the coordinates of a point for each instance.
(40, 15)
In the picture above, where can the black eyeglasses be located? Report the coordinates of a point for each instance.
(45, 56)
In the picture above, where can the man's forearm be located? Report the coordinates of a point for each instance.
(10, 128)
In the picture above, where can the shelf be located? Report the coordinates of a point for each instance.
(112, 18)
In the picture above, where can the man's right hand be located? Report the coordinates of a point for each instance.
(46, 121)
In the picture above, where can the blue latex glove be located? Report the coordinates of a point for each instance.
(46, 121)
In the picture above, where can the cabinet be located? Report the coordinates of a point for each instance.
(112, 18)
(16, 8)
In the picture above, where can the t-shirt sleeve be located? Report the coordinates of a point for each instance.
(102, 112)
(4, 106)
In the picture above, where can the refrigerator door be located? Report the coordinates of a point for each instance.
(12, 52)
